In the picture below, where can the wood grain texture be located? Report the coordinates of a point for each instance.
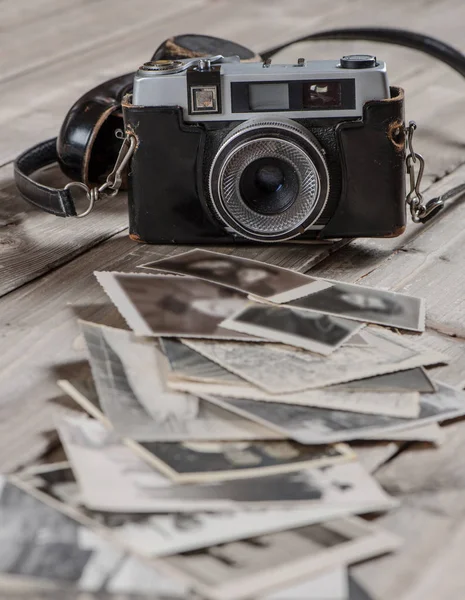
(430, 482)
(33, 242)
(51, 52)
(427, 522)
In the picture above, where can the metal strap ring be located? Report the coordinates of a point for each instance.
(89, 194)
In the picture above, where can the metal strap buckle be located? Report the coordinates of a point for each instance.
(420, 212)
(114, 180)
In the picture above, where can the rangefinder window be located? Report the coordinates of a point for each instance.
(268, 96)
(321, 94)
(335, 94)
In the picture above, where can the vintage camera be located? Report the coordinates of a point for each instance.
(231, 151)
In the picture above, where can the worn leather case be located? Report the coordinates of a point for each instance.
(372, 202)
(168, 200)
(87, 146)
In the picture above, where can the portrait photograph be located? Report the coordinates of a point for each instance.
(305, 329)
(209, 461)
(367, 304)
(249, 276)
(168, 305)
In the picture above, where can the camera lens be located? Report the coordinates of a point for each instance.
(269, 180)
(269, 185)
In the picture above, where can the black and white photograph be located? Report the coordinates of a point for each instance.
(114, 478)
(273, 283)
(220, 461)
(280, 369)
(37, 541)
(395, 404)
(305, 329)
(197, 461)
(156, 535)
(244, 569)
(186, 363)
(410, 380)
(57, 480)
(356, 340)
(366, 304)
(170, 305)
(82, 391)
(313, 425)
(128, 374)
(44, 547)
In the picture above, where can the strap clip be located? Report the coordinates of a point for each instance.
(114, 180)
(419, 211)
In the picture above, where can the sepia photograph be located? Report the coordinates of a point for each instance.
(367, 304)
(171, 306)
(305, 329)
(103, 464)
(313, 425)
(249, 276)
(241, 570)
(128, 374)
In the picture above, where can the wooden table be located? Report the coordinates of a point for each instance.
(52, 51)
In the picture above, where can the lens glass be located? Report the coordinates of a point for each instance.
(265, 182)
(269, 185)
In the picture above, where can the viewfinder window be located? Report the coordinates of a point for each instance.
(269, 96)
(322, 94)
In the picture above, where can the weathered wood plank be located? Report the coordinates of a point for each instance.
(422, 467)
(427, 522)
(60, 31)
(430, 482)
(48, 92)
(445, 577)
(33, 242)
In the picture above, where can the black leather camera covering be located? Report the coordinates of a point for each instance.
(168, 200)
(373, 172)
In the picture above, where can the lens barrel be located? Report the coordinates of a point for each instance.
(269, 180)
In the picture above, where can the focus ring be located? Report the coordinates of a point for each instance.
(256, 140)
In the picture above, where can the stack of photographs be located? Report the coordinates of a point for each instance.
(224, 446)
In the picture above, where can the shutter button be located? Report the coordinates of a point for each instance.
(358, 61)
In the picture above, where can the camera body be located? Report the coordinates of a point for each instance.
(231, 151)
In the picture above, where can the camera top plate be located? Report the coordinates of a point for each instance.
(224, 89)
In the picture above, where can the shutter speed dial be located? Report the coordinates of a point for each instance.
(358, 61)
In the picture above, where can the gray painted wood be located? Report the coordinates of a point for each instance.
(51, 52)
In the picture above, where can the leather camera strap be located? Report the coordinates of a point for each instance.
(60, 202)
